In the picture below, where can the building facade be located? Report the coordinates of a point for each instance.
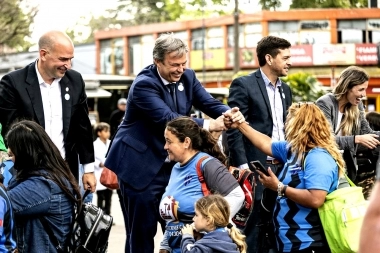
(324, 42)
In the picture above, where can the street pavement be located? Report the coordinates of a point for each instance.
(116, 240)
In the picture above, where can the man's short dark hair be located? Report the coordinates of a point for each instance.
(270, 45)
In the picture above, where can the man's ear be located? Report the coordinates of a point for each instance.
(155, 61)
(43, 53)
(268, 58)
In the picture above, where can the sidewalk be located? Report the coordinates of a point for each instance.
(116, 240)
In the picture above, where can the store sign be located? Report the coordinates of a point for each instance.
(366, 54)
(315, 25)
(301, 55)
(334, 54)
(373, 24)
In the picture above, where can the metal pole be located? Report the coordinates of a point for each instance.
(236, 38)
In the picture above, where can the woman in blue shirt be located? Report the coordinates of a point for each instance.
(44, 189)
(312, 166)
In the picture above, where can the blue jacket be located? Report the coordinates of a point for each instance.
(34, 198)
(215, 241)
(137, 151)
(7, 237)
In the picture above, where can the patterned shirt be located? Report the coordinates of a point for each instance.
(298, 227)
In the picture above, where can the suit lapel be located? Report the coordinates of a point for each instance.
(66, 97)
(168, 99)
(34, 92)
(263, 90)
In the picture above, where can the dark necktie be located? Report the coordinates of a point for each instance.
(172, 93)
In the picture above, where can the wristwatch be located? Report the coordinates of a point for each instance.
(281, 188)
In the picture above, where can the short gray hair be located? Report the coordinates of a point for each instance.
(166, 44)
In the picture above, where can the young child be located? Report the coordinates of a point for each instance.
(212, 217)
(101, 144)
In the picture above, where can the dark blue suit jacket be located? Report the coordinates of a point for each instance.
(250, 95)
(137, 151)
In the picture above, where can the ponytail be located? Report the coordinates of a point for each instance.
(238, 238)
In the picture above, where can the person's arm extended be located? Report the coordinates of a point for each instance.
(370, 231)
(259, 140)
(311, 198)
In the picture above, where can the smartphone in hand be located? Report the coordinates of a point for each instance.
(257, 165)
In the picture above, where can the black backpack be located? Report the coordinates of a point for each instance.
(90, 231)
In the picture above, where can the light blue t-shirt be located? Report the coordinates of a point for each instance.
(298, 227)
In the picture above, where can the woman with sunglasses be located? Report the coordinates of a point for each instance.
(312, 166)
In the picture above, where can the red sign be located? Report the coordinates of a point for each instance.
(301, 55)
(366, 54)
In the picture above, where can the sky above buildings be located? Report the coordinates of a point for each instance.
(61, 15)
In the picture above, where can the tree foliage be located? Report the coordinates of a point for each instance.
(16, 18)
(302, 4)
(270, 4)
(304, 86)
(137, 12)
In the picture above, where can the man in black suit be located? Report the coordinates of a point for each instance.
(263, 100)
(51, 94)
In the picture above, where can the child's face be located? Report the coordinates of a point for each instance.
(104, 134)
(201, 223)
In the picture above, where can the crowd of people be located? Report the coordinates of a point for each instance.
(160, 154)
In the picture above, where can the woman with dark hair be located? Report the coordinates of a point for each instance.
(187, 144)
(44, 190)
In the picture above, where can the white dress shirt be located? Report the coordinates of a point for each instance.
(52, 105)
(100, 149)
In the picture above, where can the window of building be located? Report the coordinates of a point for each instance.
(214, 38)
(140, 53)
(111, 56)
(285, 29)
(373, 30)
(314, 32)
(197, 39)
(249, 35)
(352, 31)
(211, 38)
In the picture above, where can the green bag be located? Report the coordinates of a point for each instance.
(342, 216)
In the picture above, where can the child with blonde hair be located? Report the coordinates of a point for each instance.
(212, 217)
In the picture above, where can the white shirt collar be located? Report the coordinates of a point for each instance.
(40, 79)
(166, 82)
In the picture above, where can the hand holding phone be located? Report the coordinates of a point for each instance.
(257, 165)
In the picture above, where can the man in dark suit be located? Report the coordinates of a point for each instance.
(263, 100)
(137, 154)
(51, 94)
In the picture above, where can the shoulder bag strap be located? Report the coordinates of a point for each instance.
(50, 232)
(205, 190)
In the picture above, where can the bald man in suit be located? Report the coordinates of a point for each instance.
(48, 92)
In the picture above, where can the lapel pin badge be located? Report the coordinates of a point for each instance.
(67, 96)
(283, 95)
(180, 87)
